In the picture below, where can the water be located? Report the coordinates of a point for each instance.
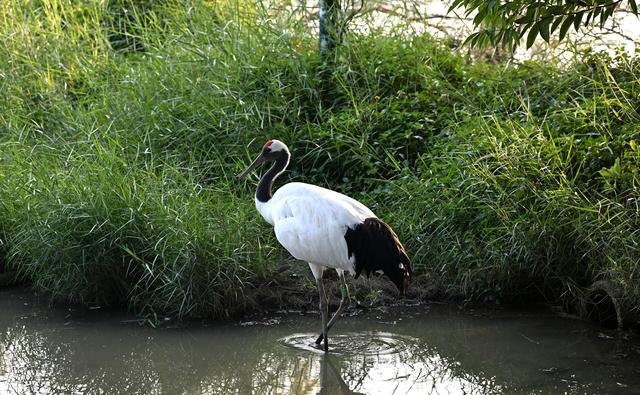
(421, 350)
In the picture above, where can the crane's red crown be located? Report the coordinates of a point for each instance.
(268, 143)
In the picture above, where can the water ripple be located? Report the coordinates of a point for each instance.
(353, 343)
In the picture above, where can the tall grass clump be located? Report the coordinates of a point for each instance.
(98, 228)
(537, 201)
(99, 204)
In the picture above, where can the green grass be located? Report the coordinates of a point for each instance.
(122, 131)
(97, 227)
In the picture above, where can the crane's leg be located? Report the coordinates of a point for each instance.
(324, 312)
(345, 297)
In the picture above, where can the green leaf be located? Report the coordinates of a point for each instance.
(634, 6)
(479, 16)
(606, 14)
(531, 37)
(523, 30)
(556, 10)
(577, 18)
(491, 35)
(556, 23)
(531, 10)
(454, 5)
(509, 39)
(565, 26)
(524, 20)
(589, 15)
(483, 40)
(472, 39)
(544, 28)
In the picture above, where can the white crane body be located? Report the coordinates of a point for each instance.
(310, 222)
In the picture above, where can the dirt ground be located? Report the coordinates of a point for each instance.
(292, 288)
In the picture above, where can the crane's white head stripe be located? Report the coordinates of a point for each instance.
(275, 145)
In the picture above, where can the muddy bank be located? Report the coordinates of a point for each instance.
(293, 288)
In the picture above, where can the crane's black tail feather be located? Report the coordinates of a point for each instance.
(377, 247)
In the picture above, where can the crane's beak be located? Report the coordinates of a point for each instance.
(259, 160)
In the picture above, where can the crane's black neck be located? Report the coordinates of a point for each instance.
(263, 194)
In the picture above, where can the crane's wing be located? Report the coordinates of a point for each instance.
(311, 224)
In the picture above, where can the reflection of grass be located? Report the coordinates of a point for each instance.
(122, 131)
(31, 365)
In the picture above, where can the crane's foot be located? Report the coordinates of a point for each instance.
(320, 345)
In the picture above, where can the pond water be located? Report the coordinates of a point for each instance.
(431, 349)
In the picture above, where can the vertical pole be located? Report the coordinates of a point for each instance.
(328, 37)
(328, 9)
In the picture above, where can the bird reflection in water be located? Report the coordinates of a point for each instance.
(331, 382)
(310, 374)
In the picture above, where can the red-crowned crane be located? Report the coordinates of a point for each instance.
(328, 230)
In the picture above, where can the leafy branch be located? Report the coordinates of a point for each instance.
(507, 23)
